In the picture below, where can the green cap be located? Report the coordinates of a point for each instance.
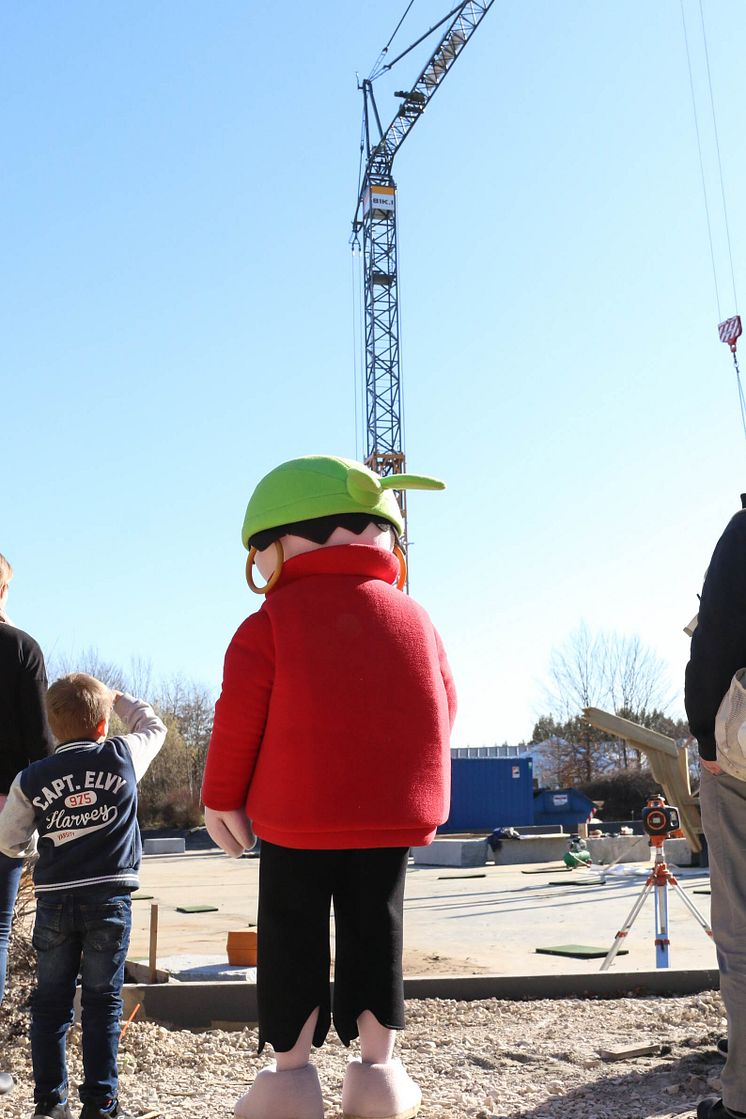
(321, 485)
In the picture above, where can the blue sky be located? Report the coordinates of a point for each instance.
(176, 318)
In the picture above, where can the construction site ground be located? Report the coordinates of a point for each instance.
(475, 921)
(628, 1056)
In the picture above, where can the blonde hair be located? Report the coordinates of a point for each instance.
(76, 705)
(6, 571)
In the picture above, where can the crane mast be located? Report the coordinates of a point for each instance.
(376, 224)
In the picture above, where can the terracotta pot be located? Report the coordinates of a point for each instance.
(241, 947)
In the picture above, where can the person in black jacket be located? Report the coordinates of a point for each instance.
(718, 651)
(24, 737)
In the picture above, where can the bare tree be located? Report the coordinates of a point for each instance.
(614, 671)
(605, 670)
(636, 675)
(578, 672)
(190, 706)
(140, 678)
(90, 661)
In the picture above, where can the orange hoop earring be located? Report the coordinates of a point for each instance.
(274, 576)
(401, 582)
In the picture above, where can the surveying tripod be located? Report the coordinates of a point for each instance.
(661, 878)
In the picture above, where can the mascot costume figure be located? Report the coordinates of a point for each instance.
(330, 743)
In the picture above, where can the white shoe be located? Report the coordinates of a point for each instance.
(379, 1091)
(290, 1094)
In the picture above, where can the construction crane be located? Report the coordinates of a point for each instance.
(375, 223)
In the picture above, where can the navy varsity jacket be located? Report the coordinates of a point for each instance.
(82, 802)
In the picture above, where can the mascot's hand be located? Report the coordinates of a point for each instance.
(230, 830)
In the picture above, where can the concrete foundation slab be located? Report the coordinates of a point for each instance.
(455, 923)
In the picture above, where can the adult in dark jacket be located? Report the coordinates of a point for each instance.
(718, 651)
(24, 737)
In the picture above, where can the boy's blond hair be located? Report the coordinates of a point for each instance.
(6, 571)
(76, 705)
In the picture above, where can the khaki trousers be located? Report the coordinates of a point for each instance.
(723, 804)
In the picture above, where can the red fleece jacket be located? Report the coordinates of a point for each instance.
(332, 728)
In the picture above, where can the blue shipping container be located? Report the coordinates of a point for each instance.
(489, 793)
(568, 807)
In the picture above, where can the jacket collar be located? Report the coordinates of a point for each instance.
(344, 559)
(74, 743)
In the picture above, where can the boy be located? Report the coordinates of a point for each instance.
(82, 801)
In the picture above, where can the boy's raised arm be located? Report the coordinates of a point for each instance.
(147, 731)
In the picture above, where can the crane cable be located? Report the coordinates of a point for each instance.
(729, 330)
(717, 149)
(379, 65)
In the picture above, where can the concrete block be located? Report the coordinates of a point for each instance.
(451, 852)
(216, 971)
(172, 846)
(619, 848)
(193, 968)
(531, 849)
(636, 849)
(677, 852)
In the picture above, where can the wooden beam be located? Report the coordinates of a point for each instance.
(631, 732)
(153, 947)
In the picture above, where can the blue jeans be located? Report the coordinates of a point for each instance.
(89, 934)
(10, 877)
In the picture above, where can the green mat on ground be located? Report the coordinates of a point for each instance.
(448, 877)
(196, 909)
(546, 869)
(579, 951)
(141, 897)
(589, 881)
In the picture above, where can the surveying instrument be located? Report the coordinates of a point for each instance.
(660, 821)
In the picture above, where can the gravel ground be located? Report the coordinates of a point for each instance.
(478, 1060)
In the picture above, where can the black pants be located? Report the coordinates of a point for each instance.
(296, 891)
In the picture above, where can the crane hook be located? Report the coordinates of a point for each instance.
(730, 332)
